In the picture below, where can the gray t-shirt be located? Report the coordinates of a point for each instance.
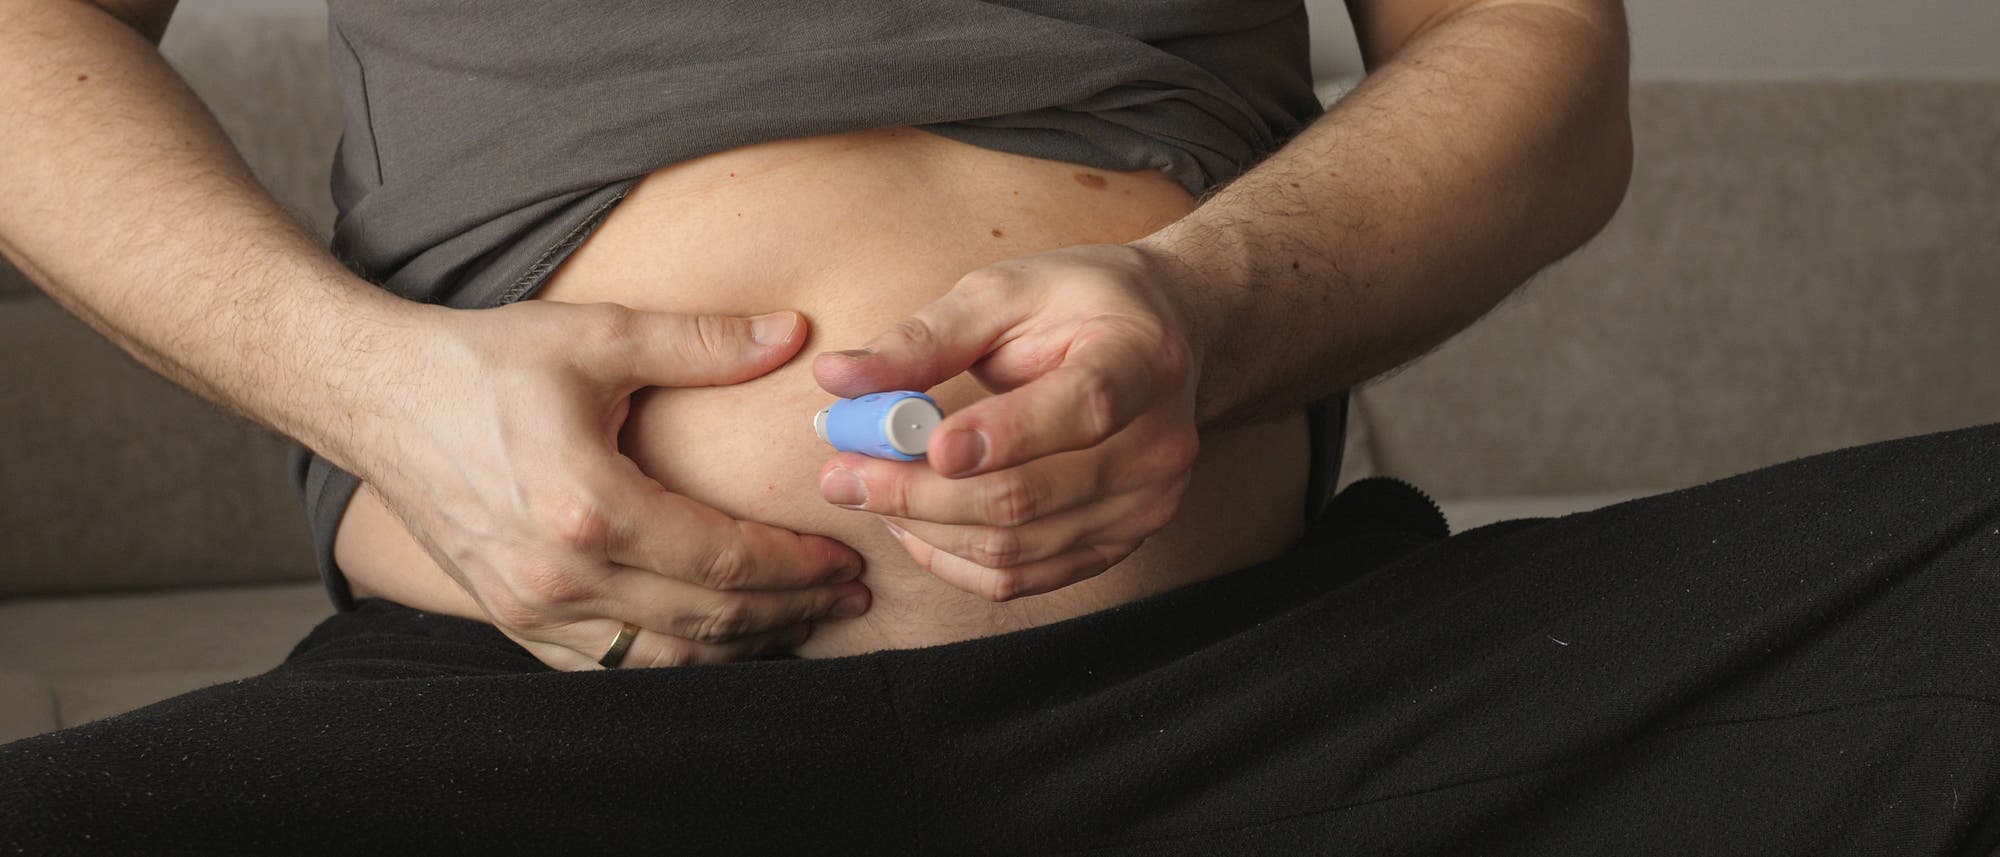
(484, 140)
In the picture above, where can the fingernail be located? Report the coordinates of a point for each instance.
(772, 328)
(842, 488)
(975, 446)
(855, 353)
(893, 529)
(850, 606)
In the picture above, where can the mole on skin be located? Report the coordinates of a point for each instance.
(1091, 180)
(997, 233)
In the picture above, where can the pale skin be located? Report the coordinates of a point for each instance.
(1490, 139)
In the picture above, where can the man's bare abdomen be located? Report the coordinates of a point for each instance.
(857, 231)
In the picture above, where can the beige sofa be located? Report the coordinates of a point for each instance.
(1798, 267)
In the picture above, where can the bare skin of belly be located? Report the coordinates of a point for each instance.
(857, 231)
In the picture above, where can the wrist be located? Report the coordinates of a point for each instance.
(1184, 261)
(352, 351)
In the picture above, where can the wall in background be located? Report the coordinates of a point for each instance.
(1767, 39)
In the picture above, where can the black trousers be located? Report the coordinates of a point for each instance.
(1802, 660)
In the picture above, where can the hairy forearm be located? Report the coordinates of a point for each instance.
(1492, 144)
(126, 203)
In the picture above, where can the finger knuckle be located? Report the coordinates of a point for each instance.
(547, 586)
(1158, 515)
(1102, 558)
(997, 547)
(1002, 585)
(890, 493)
(578, 523)
(726, 620)
(1100, 402)
(1010, 500)
(716, 336)
(1176, 360)
(674, 653)
(512, 612)
(1177, 452)
(917, 333)
(726, 567)
(609, 323)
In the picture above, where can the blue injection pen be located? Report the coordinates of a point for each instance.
(895, 425)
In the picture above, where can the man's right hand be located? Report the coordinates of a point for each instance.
(494, 437)
(491, 433)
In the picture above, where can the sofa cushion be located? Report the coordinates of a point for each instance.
(117, 479)
(1471, 513)
(69, 659)
(27, 705)
(1797, 267)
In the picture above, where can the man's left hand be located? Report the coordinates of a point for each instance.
(1083, 452)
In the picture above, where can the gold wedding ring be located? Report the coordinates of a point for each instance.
(619, 646)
